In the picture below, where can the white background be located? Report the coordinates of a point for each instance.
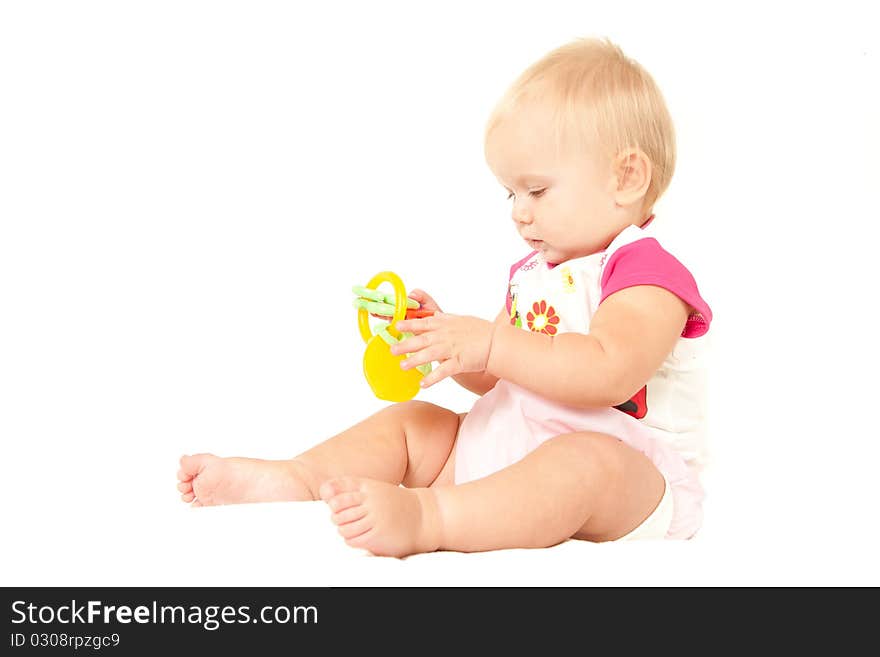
(188, 191)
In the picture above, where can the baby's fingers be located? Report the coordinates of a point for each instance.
(427, 355)
(425, 300)
(418, 326)
(410, 345)
(447, 368)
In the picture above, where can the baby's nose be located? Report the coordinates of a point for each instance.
(521, 214)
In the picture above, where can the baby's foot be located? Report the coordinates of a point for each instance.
(207, 480)
(383, 518)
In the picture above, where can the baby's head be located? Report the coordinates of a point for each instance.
(584, 144)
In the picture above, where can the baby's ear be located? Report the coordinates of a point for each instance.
(632, 170)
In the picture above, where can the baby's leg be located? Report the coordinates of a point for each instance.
(581, 485)
(404, 443)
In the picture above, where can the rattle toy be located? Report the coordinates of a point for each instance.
(381, 367)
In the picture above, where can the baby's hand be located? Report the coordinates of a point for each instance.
(425, 300)
(459, 343)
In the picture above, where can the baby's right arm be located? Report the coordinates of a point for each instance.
(477, 382)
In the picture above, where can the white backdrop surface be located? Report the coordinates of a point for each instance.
(188, 190)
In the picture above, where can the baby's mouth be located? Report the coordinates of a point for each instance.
(535, 244)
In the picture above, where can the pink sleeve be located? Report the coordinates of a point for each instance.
(645, 262)
(513, 268)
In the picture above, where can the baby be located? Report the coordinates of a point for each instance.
(589, 423)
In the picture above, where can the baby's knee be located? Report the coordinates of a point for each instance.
(417, 412)
(414, 407)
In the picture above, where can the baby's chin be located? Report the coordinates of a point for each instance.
(549, 253)
(552, 256)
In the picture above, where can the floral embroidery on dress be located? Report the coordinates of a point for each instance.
(542, 318)
(567, 279)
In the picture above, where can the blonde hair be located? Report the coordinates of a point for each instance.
(598, 95)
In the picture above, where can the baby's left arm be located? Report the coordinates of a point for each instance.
(631, 334)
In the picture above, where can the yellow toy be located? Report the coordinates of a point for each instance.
(381, 367)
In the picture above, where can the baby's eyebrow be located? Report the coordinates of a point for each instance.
(533, 177)
(530, 178)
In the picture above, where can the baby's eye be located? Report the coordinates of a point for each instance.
(536, 193)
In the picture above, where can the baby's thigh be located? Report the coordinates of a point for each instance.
(446, 477)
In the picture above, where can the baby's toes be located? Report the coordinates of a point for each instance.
(338, 486)
(344, 501)
(353, 530)
(348, 515)
(186, 490)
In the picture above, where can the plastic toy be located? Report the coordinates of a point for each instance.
(381, 367)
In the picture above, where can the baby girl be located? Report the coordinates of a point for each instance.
(589, 423)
